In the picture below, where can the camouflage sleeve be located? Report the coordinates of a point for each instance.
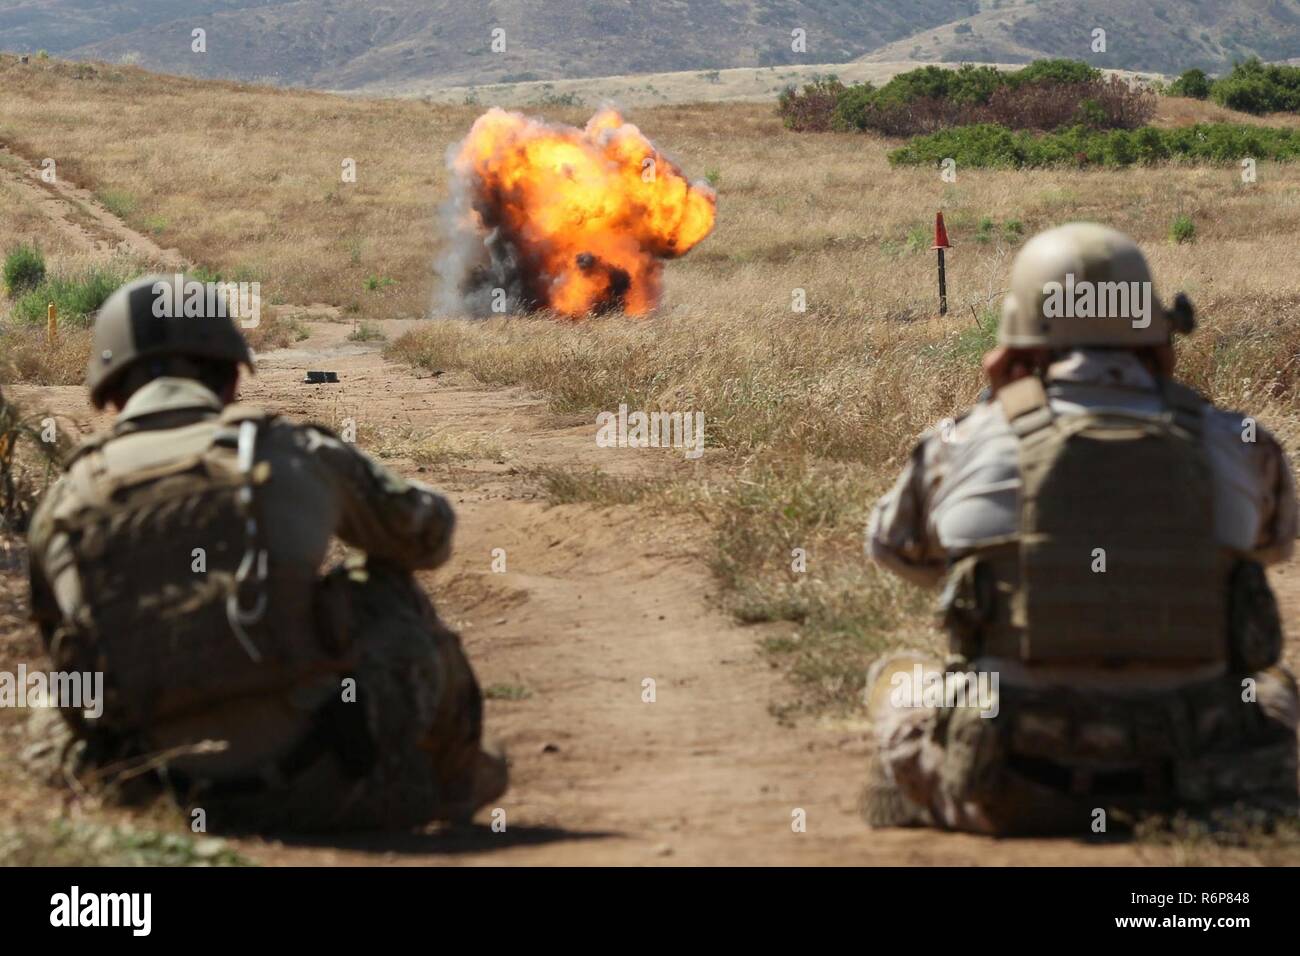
(899, 534)
(1275, 540)
(44, 605)
(383, 514)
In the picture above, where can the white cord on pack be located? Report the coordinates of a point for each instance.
(238, 617)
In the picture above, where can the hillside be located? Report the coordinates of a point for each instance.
(1167, 37)
(401, 45)
(743, 84)
(351, 44)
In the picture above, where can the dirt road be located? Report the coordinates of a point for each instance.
(78, 216)
(593, 603)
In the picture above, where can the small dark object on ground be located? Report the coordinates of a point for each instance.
(321, 378)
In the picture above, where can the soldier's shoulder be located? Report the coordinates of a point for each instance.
(327, 448)
(1236, 436)
(85, 446)
(970, 424)
(57, 499)
(1241, 426)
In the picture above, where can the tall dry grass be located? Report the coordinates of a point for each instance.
(248, 180)
(809, 413)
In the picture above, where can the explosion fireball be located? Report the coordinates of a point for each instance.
(578, 221)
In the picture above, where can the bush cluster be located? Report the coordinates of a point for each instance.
(24, 269)
(1255, 87)
(1047, 94)
(78, 297)
(990, 145)
(813, 109)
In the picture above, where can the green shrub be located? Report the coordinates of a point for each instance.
(549, 98)
(117, 201)
(1067, 72)
(1091, 113)
(850, 108)
(970, 344)
(1249, 94)
(1256, 87)
(968, 84)
(202, 273)
(1183, 229)
(77, 297)
(24, 269)
(918, 238)
(984, 145)
(991, 146)
(1191, 83)
(1148, 147)
(366, 332)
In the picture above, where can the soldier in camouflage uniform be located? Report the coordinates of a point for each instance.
(180, 556)
(1101, 531)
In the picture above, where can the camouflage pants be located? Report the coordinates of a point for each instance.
(1051, 757)
(404, 753)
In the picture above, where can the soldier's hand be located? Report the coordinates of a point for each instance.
(1004, 365)
(997, 363)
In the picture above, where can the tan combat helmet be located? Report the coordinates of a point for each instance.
(1085, 284)
(146, 319)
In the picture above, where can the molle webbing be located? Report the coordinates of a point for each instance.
(1117, 559)
(156, 545)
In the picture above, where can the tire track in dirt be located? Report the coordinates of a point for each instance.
(78, 215)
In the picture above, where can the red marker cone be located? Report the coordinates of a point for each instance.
(940, 233)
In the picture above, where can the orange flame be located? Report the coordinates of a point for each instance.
(591, 214)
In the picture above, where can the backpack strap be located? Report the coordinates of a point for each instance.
(1025, 404)
(86, 446)
(86, 470)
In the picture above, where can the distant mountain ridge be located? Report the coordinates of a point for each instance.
(1139, 34)
(358, 45)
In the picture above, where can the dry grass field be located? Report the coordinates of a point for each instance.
(810, 411)
(809, 414)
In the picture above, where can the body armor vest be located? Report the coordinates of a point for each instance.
(1117, 559)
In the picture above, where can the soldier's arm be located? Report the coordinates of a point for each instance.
(899, 535)
(44, 607)
(383, 514)
(1275, 540)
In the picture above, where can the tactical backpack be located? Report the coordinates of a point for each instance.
(175, 581)
(1117, 559)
